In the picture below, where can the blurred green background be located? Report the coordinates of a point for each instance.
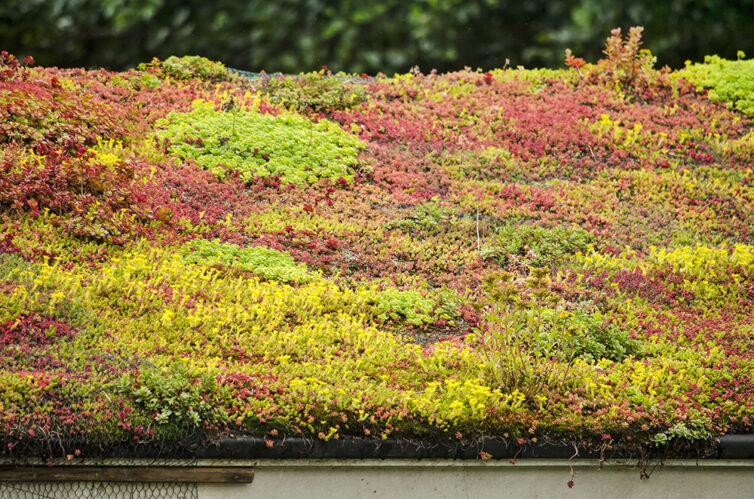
(366, 36)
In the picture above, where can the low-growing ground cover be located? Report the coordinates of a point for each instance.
(536, 255)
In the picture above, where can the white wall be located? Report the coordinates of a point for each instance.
(431, 478)
(463, 479)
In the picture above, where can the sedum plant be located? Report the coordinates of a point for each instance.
(297, 150)
(537, 246)
(187, 67)
(319, 91)
(727, 81)
(529, 343)
(512, 337)
(268, 263)
(415, 308)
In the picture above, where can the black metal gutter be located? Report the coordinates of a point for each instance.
(723, 447)
(736, 446)
(739, 446)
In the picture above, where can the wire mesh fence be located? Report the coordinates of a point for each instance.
(104, 490)
(344, 78)
(117, 478)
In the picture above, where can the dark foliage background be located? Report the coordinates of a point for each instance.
(358, 36)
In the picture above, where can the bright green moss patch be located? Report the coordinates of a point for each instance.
(268, 263)
(259, 145)
(727, 81)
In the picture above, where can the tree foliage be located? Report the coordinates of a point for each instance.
(390, 35)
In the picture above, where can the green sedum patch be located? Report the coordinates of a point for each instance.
(593, 336)
(259, 145)
(187, 67)
(174, 394)
(316, 91)
(268, 263)
(411, 305)
(537, 246)
(727, 81)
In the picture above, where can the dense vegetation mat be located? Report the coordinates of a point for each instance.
(527, 255)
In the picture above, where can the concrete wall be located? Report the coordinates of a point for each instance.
(528, 478)
(462, 479)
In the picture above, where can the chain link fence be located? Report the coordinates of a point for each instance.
(344, 78)
(105, 490)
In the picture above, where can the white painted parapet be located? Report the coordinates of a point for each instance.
(528, 478)
(409, 478)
